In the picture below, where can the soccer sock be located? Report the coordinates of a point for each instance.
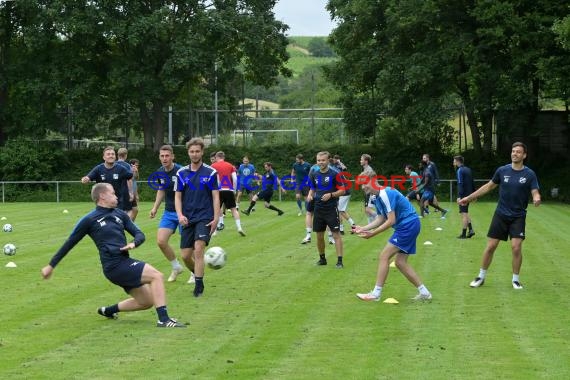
(110, 310)
(271, 207)
(470, 227)
(342, 227)
(482, 273)
(221, 220)
(423, 290)
(175, 264)
(377, 291)
(200, 282)
(351, 221)
(162, 313)
(322, 256)
(251, 205)
(464, 232)
(515, 277)
(300, 204)
(339, 259)
(238, 224)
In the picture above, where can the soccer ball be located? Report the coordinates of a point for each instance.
(7, 227)
(10, 249)
(215, 257)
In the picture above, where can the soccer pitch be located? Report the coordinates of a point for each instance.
(271, 313)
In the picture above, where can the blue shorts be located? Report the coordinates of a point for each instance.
(428, 195)
(127, 274)
(169, 220)
(405, 236)
(192, 232)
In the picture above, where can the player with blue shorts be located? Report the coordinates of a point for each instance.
(393, 210)
(165, 179)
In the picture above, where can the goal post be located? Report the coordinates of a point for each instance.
(249, 133)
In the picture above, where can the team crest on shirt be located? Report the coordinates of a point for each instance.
(115, 176)
(522, 180)
(506, 179)
(102, 177)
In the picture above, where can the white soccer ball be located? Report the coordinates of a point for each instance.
(9, 249)
(215, 257)
(7, 227)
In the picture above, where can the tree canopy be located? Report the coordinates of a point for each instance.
(111, 57)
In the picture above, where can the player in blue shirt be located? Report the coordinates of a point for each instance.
(465, 186)
(393, 210)
(197, 203)
(246, 174)
(326, 188)
(111, 172)
(516, 183)
(127, 186)
(165, 181)
(106, 226)
(300, 171)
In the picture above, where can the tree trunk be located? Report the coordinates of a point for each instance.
(158, 125)
(487, 124)
(471, 118)
(147, 125)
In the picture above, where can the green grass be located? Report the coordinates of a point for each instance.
(272, 314)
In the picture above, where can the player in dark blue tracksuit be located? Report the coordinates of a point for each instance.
(106, 226)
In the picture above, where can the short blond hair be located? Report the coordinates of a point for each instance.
(98, 189)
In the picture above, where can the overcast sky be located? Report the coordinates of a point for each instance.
(304, 17)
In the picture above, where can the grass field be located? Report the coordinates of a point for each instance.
(272, 314)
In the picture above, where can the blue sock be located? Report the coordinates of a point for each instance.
(162, 313)
(300, 204)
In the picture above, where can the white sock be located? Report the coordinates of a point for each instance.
(482, 273)
(515, 277)
(351, 221)
(423, 290)
(377, 291)
(238, 224)
(309, 230)
(342, 227)
(175, 264)
(221, 220)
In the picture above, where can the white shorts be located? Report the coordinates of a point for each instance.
(343, 203)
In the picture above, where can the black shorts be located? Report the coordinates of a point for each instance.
(265, 195)
(134, 203)
(503, 226)
(192, 232)
(227, 198)
(326, 217)
(127, 274)
(412, 195)
(464, 209)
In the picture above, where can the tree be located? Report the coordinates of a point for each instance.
(494, 56)
(142, 55)
(318, 47)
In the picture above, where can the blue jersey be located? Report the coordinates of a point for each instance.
(389, 200)
(196, 188)
(106, 227)
(116, 176)
(514, 189)
(167, 184)
(245, 175)
(125, 185)
(301, 171)
(465, 184)
(325, 183)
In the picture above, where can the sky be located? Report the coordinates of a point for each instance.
(304, 17)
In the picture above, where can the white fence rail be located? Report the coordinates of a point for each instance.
(447, 185)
